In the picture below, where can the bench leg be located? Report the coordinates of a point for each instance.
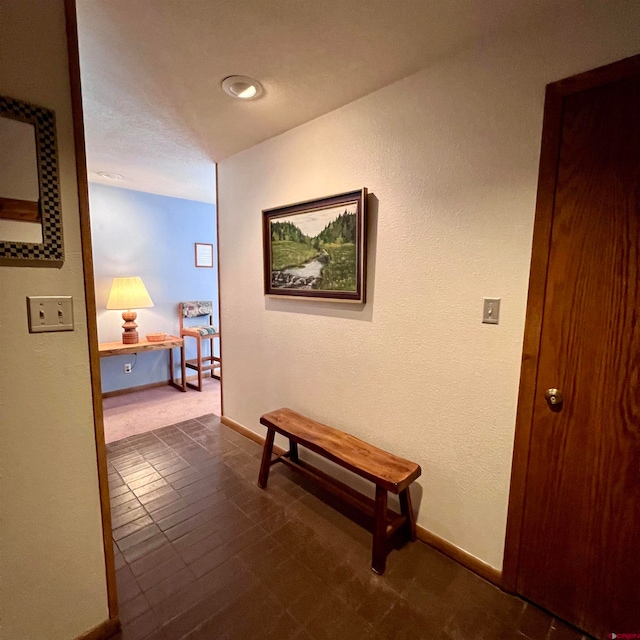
(293, 450)
(407, 511)
(266, 458)
(379, 560)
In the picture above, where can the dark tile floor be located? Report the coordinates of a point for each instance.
(203, 553)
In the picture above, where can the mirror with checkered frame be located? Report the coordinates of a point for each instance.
(30, 214)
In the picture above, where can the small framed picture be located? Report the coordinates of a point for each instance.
(317, 249)
(204, 255)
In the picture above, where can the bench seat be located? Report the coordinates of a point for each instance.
(387, 471)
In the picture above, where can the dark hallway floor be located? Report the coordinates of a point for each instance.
(203, 553)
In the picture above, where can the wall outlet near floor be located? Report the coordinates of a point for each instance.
(127, 367)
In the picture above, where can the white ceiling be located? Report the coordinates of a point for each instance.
(151, 72)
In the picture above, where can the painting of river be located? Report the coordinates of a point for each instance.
(316, 250)
(306, 276)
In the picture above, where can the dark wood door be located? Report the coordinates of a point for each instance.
(579, 554)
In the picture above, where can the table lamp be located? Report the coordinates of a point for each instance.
(129, 293)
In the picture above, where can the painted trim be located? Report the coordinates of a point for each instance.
(90, 304)
(480, 568)
(103, 631)
(556, 92)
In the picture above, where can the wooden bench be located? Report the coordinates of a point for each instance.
(387, 471)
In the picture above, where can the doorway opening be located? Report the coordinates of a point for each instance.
(157, 239)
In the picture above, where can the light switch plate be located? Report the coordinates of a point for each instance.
(491, 311)
(50, 313)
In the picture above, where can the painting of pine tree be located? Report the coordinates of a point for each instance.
(316, 250)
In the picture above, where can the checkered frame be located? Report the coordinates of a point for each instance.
(51, 249)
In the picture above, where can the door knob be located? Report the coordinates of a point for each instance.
(554, 397)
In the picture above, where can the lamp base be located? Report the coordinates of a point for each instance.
(130, 335)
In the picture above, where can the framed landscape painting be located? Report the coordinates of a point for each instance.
(317, 249)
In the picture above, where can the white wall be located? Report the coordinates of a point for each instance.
(52, 574)
(450, 155)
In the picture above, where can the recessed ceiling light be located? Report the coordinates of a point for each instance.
(110, 176)
(242, 87)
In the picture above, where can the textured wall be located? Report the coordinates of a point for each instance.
(450, 155)
(52, 582)
(151, 236)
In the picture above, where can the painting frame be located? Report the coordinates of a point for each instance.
(49, 252)
(203, 255)
(317, 244)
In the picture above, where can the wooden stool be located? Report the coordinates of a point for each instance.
(201, 364)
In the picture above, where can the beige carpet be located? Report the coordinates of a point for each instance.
(143, 411)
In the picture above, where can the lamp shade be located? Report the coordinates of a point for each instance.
(128, 293)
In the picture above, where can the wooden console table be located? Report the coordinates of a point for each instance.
(107, 349)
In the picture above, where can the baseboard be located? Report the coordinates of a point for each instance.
(142, 387)
(241, 429)
(480, 568)
(484, 570)
(103, 631)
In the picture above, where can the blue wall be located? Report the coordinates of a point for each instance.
(151, 236)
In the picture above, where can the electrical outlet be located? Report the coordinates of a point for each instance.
(127, 367)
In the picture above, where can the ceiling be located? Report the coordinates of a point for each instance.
(151, 72)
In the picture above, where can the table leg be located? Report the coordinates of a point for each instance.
(293, 450)
(172, 372)
(266, 459)
(172, 380)
(379, 559)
